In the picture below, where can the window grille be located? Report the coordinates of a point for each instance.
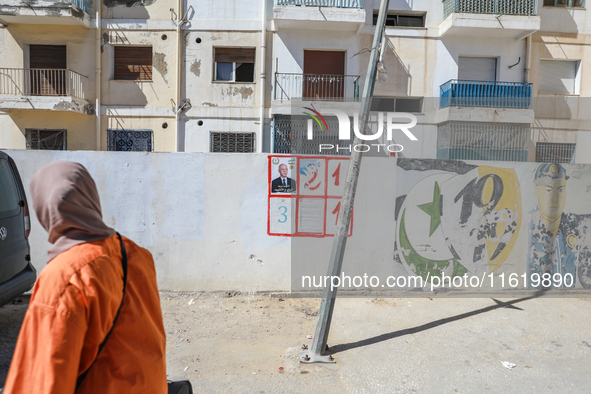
(130, 140)
(46, 139)
(483, 141)
(290, 135)
(554, 152)
(231, 142)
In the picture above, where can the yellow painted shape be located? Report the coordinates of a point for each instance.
(511, 199)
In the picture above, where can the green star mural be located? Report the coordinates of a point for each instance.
(433, 209)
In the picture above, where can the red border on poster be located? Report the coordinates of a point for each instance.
(297, 197)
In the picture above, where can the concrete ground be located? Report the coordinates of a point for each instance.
(234, 343)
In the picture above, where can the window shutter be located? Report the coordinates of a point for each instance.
(477, 69)
(133, 63)
(234, 55)
(557, 76)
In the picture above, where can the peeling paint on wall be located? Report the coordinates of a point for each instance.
(244, 92)
(128, 3)
(78, 13)
(160, 64)
(196, 68)
(209, 104)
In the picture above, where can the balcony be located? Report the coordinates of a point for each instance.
(43, 89)
(339, 15)
(483, 101)
(316, 87)
(490, 18)
(57, 12)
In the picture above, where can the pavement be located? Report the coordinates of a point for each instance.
(241, 343)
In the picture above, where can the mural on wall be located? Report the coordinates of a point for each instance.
(457, 218)
(559, 242)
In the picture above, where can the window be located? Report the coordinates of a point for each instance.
(46, 139)
(483, 141)
(558, 76)
(553, 152)
(234, 64)
(290, 135)
(9, 197)
(133, 63)
(477, 68)
(130, 140)
(401, 20)
(231, 142)
(564, 3)
(397, 104)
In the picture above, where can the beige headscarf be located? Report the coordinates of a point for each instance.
(67, 204)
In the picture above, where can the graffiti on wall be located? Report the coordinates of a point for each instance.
(459, 218)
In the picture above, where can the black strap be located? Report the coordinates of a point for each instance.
(124, 263)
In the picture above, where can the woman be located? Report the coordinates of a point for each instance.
(78, 295)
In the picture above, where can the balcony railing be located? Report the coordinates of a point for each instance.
(323, 3)
(42, 82)
(319, 87)
(496, 7)
(82, 4)
(458, 93)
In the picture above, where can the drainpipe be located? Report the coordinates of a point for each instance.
(179, 76)
(97, 106)
(527, 59)
(259, 147)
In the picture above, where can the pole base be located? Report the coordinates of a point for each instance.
(309, 357)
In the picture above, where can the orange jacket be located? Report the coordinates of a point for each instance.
(71, 311)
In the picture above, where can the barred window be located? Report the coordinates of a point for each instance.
(46, 139)
(554, 152)
(483, 141)
(231, 142)
(130, 140)
(290, 135)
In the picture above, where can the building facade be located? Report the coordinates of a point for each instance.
(487, 80)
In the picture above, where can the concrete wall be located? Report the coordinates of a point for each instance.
(204, 217)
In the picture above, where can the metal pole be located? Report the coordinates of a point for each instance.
(315, 353)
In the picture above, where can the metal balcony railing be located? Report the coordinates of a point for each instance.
(323, 3)
(319, 87)
(496, 7)
(42, 82)
(458, 93)
(82, 4)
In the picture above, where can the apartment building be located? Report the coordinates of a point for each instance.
(487, 80)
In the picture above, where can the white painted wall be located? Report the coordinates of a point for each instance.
(204, 216)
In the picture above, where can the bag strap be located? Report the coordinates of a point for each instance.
(124, 263)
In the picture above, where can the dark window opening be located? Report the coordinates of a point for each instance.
(398, 20)
(46, 139)
(234, 64)
(396, 104)
(564, 3)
